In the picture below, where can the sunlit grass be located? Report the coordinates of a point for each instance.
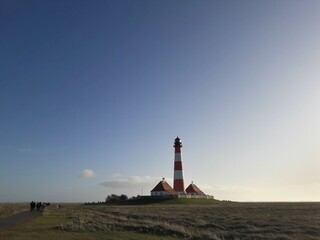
(175, 221)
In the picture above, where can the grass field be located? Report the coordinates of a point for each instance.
(174, 220)
(8, 209)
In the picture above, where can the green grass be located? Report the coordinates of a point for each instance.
(45, 227)
(177, 219)
(71, 222)
(178, 201)
(185, 201)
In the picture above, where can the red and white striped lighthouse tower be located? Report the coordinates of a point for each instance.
(178, 183)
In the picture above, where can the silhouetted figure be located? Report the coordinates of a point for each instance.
(43, 206)
(38, 206)
(32, 206)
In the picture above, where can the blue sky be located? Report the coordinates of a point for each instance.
(93, 94)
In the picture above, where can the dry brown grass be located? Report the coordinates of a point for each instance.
(8, 209)
(221, 221)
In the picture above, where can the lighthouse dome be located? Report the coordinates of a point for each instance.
(177, 142)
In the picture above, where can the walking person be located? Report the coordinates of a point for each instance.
(32, 206)
(38, 206)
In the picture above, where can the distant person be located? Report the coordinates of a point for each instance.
(32, 206)
(43, 206)
(38, 206)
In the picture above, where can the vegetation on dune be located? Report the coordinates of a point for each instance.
(123, 200)
(178, 220)
(116, 198)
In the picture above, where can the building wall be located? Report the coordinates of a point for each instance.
(195, 196)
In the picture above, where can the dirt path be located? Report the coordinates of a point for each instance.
(7, 222)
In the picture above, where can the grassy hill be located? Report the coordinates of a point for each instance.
(177, 201)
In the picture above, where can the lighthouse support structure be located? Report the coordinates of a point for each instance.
(178, 182)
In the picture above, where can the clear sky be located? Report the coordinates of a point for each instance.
(93, 94)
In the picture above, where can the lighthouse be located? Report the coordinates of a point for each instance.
(164, 190)
(178, 183)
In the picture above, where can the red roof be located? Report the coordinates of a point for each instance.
(163, 186)
(193, 189)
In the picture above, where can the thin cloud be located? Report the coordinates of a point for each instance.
(119, 181)
(87, 173)
(225, 188)
(225, 192)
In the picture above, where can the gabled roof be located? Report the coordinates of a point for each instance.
(164, 186)
(192, 188)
